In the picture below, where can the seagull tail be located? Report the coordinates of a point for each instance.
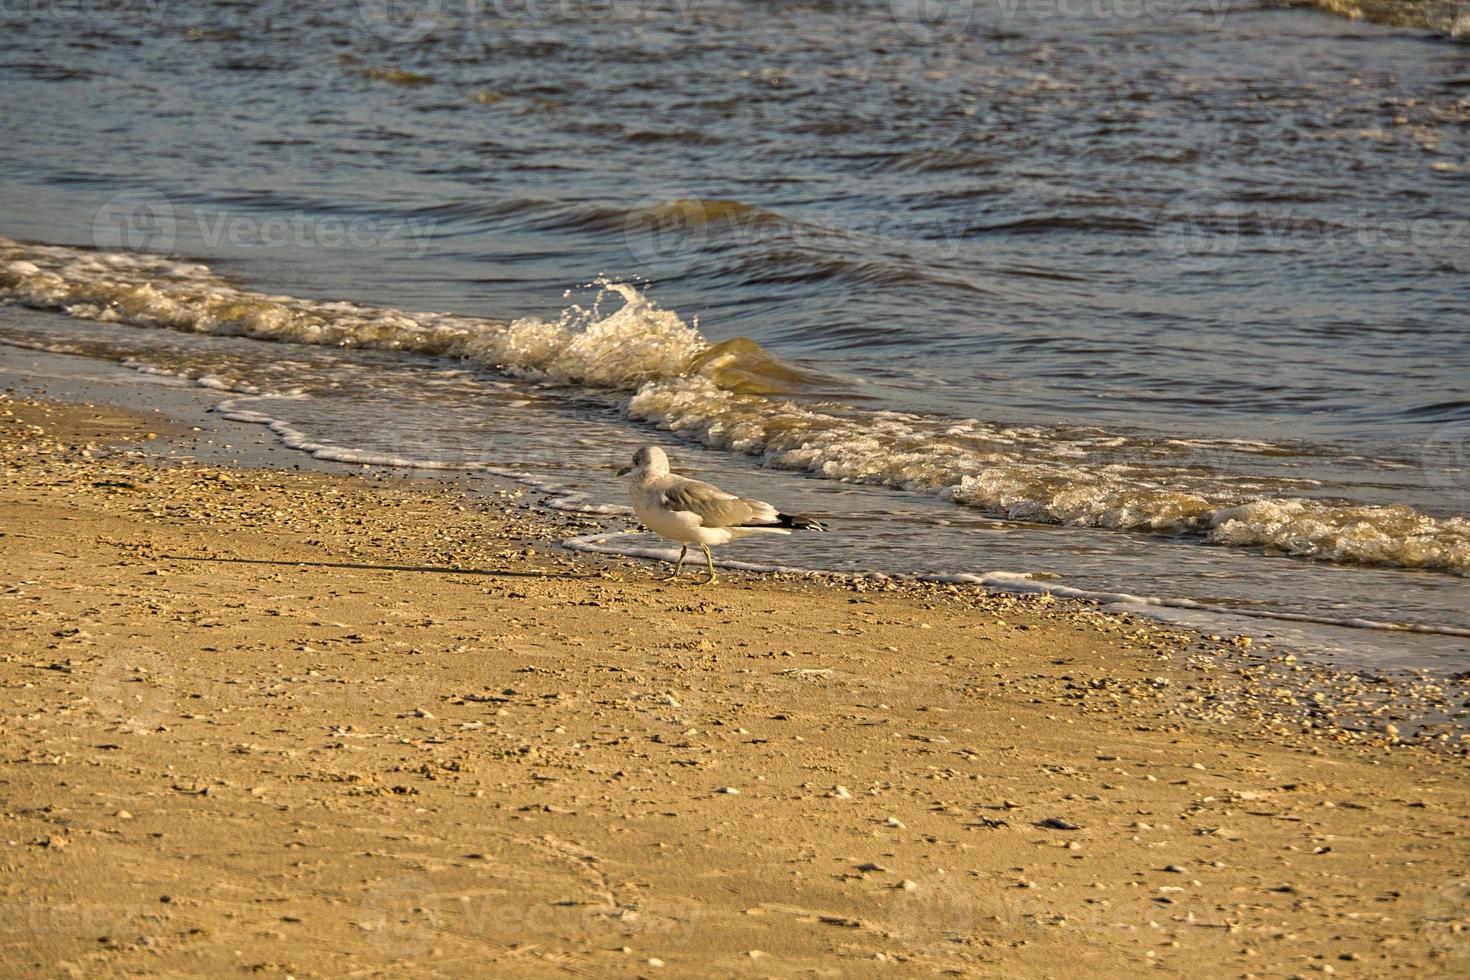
(799, 522)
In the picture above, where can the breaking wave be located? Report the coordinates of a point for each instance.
(737, 396)
(1447, 18)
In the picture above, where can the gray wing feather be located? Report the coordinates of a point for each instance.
(715, 507)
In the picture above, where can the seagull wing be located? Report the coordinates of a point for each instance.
(716, 508)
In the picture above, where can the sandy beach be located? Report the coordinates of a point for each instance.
(315, 725)
(1118, 348)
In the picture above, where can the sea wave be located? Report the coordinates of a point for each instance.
(737, 396)
(1043, 476)
(1447, 18)
(620, 349)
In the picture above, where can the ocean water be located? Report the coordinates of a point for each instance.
(1164, 303)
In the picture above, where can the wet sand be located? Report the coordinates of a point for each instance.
(318, 725)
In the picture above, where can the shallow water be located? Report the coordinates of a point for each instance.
(1157, 300)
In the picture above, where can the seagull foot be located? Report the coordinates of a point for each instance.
(710, 581)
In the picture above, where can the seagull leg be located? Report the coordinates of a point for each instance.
(709, 559)
(683, 550)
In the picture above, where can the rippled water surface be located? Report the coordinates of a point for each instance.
(1160, 299)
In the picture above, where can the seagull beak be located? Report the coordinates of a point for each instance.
(625, 471)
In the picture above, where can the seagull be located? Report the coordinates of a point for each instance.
(692, 512)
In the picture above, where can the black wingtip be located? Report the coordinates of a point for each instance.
(800, 522)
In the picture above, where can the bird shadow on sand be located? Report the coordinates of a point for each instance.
(364, 566)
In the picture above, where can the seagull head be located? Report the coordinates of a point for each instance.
(648, 461)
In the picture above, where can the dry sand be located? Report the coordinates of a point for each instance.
(337, 726)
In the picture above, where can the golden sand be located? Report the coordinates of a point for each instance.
(331, 726)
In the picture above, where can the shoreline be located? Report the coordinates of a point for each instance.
(1356, 631)
(399, 731)
(1245, 671)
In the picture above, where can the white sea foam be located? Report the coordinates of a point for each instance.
(1018, 474)
(632, 344)
(730, 396)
